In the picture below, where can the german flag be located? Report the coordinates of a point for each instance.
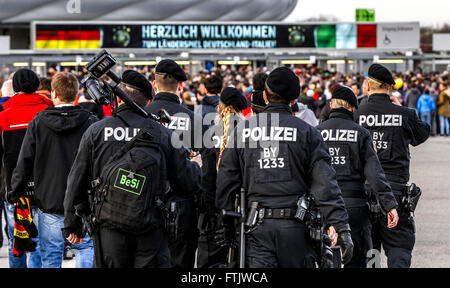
(68, 39)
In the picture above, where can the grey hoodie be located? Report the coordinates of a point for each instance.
(306, 114)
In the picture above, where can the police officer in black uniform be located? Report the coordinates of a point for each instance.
(393, 129)
(113, 247)
(230, 108)
(169, 78)
(355, 161)
(277, 158)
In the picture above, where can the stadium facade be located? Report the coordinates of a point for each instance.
(236, 32)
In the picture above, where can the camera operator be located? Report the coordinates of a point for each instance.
(168, 84)
(115, 247)
(393, 129)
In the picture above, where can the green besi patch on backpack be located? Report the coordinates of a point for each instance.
(129, 181)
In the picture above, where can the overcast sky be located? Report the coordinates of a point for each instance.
(427, 12)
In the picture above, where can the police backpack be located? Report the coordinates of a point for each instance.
(129, 185)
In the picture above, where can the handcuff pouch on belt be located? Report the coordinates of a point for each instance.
(254, 216)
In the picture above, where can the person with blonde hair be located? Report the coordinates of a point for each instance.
(230, 107)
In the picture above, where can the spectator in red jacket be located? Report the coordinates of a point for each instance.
(14, 119)
(47, 154)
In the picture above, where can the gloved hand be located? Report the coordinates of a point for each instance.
(345, 242)
(326, 259)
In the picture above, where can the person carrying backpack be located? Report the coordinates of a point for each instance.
(126, 162)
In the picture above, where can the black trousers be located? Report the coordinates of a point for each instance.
(361, 230)
(359, 221)
(118, 249)
(279, 243)
(183, 247)
(209, 254)
(397, 242)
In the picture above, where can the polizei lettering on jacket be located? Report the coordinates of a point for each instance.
(340, 135)
(178, 123)
(270, 134)
(119, 133)
(384, 120)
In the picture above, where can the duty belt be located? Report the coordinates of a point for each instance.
(354, 194)
(398, 187)
(277, 213)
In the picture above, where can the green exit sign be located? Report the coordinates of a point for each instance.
(365, 15)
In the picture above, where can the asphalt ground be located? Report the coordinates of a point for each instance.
(430, 170)
(430, 163)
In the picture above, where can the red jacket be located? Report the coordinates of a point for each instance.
(14, 119)
(248, 111)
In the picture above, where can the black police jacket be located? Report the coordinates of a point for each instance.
(183, 121)
(48, 151)
(393, 129)
(103, 139)
(278, 157)
(354, 158)
(210, 157)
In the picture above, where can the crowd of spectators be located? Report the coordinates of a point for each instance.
(427, 93)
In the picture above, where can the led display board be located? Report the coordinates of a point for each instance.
(188, 36)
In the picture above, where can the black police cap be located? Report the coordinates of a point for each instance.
(169, 67)
(345, 93)
(381, 73)
(137, 81)
(284, 82)
(232, 96)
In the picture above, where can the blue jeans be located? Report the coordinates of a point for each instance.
(52, 243)
(21, 262)
(2, 207)
(444, 125)
(426, 117)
